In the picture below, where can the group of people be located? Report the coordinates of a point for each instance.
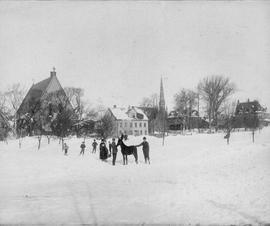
(105, 153)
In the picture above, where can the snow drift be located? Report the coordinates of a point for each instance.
(196, 179)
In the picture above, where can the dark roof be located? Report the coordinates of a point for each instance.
(149, 111)
(250, 106)
(42, 85)
(35, 92)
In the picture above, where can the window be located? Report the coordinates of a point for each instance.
(140, 124)
(120, 124)
(141, 132)
(130, 132)
(135, 124)
(144, 124)
(145, 132)
(125, 124)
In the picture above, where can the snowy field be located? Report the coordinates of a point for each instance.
(196, 179)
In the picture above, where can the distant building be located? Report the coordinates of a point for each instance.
(151, 113)
(248, 107)
(131, 121)
(177, 121)
(250, 114)
(45, 98)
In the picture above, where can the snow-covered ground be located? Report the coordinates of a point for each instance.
(196, 179)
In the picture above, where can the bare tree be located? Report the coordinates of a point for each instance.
(90, 113)
(151, 101)
(86, 125)
(4, 125)
(58, 113)
(51, 115)
(75, 97)
(185, 101)
(150, 107)
(214, 91)
(3, 103)
(15, 95)
(228, 107)
(105, 126)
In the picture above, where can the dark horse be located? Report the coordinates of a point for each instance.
(127, 150)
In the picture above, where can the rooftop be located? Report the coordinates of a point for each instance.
(123, 113)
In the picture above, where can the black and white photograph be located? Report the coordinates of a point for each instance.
(135, 113)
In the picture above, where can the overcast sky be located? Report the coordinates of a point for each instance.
(117, 51)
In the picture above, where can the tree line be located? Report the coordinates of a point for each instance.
(210, 95)
(60, 113)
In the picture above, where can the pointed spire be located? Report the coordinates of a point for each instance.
(161, 97)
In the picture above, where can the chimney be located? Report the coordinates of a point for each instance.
(53, 73)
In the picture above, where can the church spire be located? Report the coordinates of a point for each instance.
(161, 97)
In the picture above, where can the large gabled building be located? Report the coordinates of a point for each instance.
(250, 114)
(131, 121)
(249, 107)
(43, 101)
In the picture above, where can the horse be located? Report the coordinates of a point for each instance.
(127, 150)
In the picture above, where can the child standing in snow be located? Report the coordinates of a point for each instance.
(65, 148)
(82, 148)
(94, 145)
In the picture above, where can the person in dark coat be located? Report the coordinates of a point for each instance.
(82, 148)
(114, 151)
(145, 148)
(103, 154)
(94, 145)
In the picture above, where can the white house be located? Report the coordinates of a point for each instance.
(131, 121)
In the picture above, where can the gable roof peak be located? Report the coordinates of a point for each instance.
(53, 72)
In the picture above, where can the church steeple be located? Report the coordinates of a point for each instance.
(161, 97)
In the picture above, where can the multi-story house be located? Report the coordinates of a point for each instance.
(131, 121)
(250, 114)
